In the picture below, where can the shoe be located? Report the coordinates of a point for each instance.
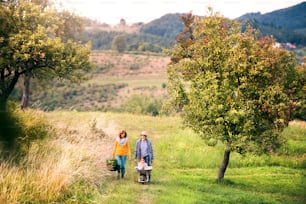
(122, 175)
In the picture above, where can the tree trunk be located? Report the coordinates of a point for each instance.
(26, 92)
(224, 164)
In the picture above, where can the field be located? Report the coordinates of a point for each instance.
(141, 73)
(114, 80)
(70, 166)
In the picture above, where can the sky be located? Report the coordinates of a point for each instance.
(133, 11)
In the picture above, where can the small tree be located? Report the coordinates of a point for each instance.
(69, 29)
(231, 86)
(119, 43)
(30, 46)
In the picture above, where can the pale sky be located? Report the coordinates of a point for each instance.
(133, 11)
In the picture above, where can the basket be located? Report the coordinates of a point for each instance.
(111, 164)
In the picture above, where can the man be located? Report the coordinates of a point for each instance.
(144, 149)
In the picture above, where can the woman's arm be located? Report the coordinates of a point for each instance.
(114, 149)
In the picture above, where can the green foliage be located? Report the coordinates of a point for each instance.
(295, 141)
(34, 126)
(22, 129)
(232, 86)
(300, 106)
(119, 43)
(33, 44)
(142, 104)
(102, 40)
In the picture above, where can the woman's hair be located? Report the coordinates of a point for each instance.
(123, 132)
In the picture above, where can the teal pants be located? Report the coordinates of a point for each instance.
(121, 164)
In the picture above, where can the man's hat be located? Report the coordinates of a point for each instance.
(143, 133)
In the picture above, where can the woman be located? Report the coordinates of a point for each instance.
(120, 151)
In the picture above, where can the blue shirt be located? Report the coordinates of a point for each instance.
(143, 148)
(141, 151)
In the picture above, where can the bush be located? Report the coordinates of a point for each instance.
(142, 104)
(23, 128)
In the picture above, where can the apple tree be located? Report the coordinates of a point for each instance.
(30, 45)
(231, 87)
(34, 43)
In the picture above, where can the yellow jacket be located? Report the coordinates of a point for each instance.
(121, 148)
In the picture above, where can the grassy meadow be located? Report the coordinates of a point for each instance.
(69, 166)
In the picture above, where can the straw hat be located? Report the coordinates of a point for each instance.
(143, 133)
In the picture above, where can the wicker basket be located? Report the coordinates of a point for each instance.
(111, 164)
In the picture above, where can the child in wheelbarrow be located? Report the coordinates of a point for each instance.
(143, 170)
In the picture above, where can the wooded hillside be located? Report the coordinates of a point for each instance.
(286, 25)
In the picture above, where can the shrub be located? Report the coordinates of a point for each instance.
(142, 104)
(24, 127)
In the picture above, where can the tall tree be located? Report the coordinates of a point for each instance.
(232, 87)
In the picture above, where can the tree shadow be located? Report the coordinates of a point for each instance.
(10, 129)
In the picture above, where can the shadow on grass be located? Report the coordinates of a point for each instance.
(10, 129)
(226, 182)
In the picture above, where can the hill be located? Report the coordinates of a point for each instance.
(291, 18)
(167, 26)
(286, 25)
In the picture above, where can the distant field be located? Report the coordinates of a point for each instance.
(116, 78)
(133, 82)
(113, 64)
(142, 73)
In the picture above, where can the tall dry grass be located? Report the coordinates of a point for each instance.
(53, 168)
